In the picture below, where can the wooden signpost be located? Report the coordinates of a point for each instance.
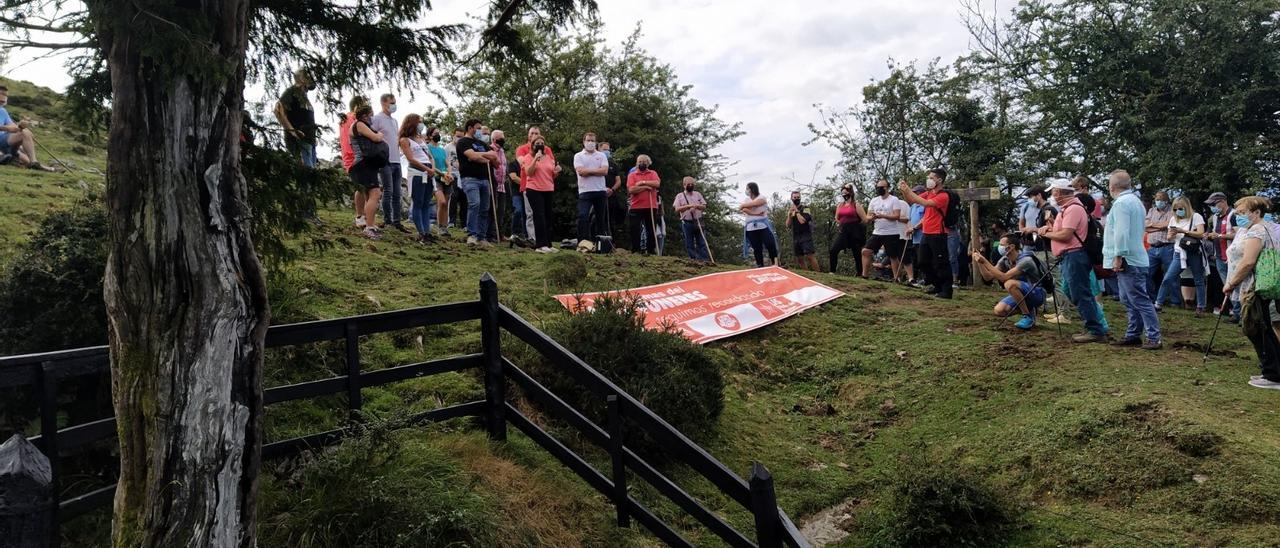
(973, 195)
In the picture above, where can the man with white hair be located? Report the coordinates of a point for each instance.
(1123, 252)
(1067, 237)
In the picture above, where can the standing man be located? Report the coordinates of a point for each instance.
(1067, 243)
(1161, 251)
(690, 206)
(1123, 252)
(298, 118)
(642, 186)
(593, 196)
(1222, 232)
(890, 215)
(936, 257)
(475, 160)
(800, 219)
(496, 142)
(389, 175)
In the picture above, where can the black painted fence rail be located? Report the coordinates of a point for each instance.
(773, 528)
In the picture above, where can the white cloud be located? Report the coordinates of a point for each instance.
(765, 63)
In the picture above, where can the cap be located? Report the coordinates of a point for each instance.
(1034, 190)
(918, 189)
(1061, 184)
(1215, 198)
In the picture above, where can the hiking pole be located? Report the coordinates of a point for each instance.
(698, 221)
(493, 203)
(1226, 301)
(1034, 286)
(50, 154)
(653, 224)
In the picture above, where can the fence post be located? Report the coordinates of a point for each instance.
(26, 495)
(619, 461)
(354, 400)
(495, 381)
(764, 505)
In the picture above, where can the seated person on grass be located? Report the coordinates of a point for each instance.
(1019, 271)
(16, 140)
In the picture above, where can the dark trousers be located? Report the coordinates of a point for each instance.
(641, 220)
(852, 236)
(458, 205)
(540, 204)
(1257, 327)
(761, 240)
(937, 261)
(592, 203)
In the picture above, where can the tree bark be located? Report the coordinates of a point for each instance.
(185, 293)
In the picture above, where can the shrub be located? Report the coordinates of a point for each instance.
(51, 292)
(378, 489)
(926, 502)
(565, 270)
(680, 381)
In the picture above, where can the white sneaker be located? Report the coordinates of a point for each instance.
(1057, 319)
(360, 222)
(1264, 383)
(471, 240)
(552, 250)
(1255, 378)
(543, 250)
(372, 233)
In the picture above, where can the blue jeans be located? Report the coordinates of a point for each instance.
(953, 248)
(1222, 274)
(1162, 258)
(389, 178)
(1173, 278)
(517, 215)
(307, 153)
(1134, 282)
(421, 210)
(693, 244)
(477, 206)
(1075, 270)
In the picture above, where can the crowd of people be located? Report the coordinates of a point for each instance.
(1069, 249)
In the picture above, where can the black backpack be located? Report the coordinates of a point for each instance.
(372, 155)
(951, 217)
(1046, 279)
(1093, 246)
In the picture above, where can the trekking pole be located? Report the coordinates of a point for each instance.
(1034, 286)
(653, 225)
(493, 203)
(698, 221)
(50, 154)
(1226, 301)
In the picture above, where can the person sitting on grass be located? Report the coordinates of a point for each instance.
(1019, 271)
(16, 140)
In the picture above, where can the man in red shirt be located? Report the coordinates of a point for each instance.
(1066, 238)
(642, 186)
(348, 155)
(937, 259)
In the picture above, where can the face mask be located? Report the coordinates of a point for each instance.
(846, 194)
(500, 142)
(688, 188)
(1180, 212)
(882, 190)
(795, 201)
(1242, 221)
(1269, 218)
(607, 153)
(930, 184)
(1161, 204)
(590, 146)
(643, 167)
(1002, 249)
(435, 138)
(422, 128)
(483, 137)
(391, 108)
(311, 86)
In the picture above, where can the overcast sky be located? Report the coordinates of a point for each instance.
(765, 63)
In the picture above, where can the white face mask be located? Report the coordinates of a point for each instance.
(391, 108)
(930, 184)
(590, 146)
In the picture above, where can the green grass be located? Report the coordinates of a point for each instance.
(1099, 446)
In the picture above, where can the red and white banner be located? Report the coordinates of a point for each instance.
(723, 304)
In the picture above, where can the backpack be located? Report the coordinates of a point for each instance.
(372, 155)
(1092, 244)
(1046, 280)
(951, 217)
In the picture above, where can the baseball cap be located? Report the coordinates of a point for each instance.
(1215, 198)
(1035, 189)
(1061, 184)
(918, 189)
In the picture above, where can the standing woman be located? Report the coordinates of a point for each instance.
(1253, 235)
(1186, 228)
(443, 180)
(540, 170)
(756, 208)
(370, 151)
(852, 233)
(422, 172)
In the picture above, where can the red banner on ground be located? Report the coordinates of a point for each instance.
(723, 304)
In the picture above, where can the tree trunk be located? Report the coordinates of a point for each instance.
(185, 293)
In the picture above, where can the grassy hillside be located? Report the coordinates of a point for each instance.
(1101, 447)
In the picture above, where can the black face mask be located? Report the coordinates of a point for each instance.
(688, 188)
(311, 86)
(882, 190)
(435, 138)
(500, 142)
(795, 201)
(846, 195)
(643, 167)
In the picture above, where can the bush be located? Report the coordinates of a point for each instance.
(926, 502)
(51, 292)
(680, 381)
(565, 270)
(378, 489)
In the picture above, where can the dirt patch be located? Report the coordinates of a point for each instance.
(832, 525)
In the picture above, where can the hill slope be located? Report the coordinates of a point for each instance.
(1101, 446)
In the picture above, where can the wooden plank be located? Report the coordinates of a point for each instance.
(558, 407)
(979, 194)
(418, 370)
(85, 503)
(310, 389)
(686, 502)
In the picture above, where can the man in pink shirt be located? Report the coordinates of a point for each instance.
(1066, 238)
(691, 205)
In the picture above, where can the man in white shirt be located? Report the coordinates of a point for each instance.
(389, 176)
(890, 215)
(591, 166)
(690, 205)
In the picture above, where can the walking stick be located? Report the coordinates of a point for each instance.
(493, 204)
(1226, 301)
(698, 221)
(1017, 305)
(653, 224)
(50, 154)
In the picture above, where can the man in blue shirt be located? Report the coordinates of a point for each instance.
(1124, 253)
(16, 139)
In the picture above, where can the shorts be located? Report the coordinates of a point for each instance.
(1034, 298)
(5, 147)
(804, 247)
(891, 242)
(441, 187)
(365, 178)
(909, 254)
